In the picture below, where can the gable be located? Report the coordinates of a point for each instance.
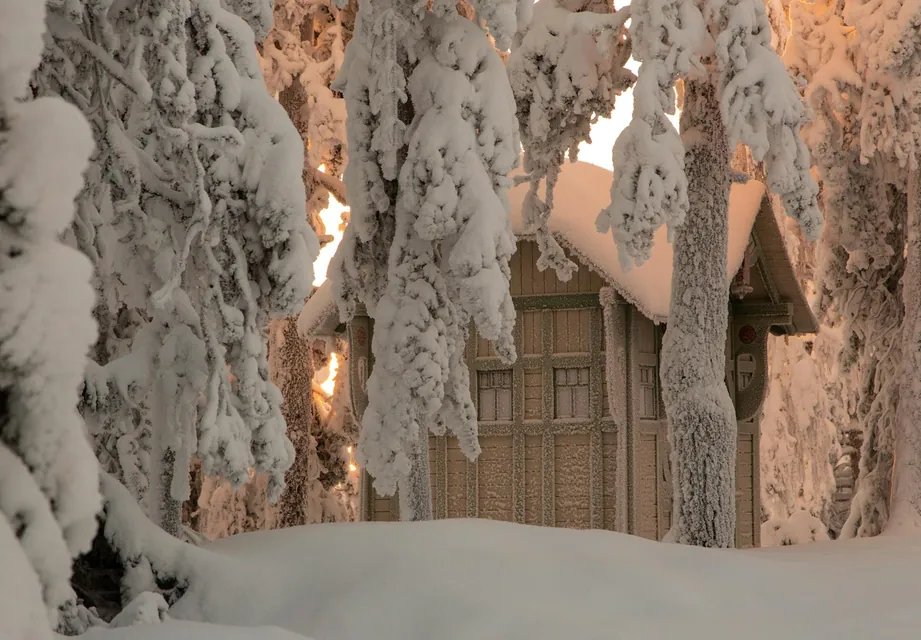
(528, 280)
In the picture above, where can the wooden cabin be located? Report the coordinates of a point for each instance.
(574, 433)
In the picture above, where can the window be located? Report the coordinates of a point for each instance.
(571, 392)
(494, 396)
(648, 393)
(745, 369)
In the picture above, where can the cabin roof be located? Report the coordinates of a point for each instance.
(582, 191)
(776, 259)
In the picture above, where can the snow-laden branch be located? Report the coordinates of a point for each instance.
(48, 491)
(761, 107)
(565, 72)
(129, 77)
(650, 186)
(332, 184)
(449, 263)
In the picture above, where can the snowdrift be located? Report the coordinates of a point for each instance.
(174, 630)
(477, 579)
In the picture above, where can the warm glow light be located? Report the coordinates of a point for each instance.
(329, 385)
(352, 467)
(332, 220)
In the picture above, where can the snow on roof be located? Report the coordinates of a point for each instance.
(583, 190)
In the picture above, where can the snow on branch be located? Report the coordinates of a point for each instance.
(48, 489)
(501, 18)
(194, 217)
(886, 51)
(449, 263)
(650, 186)
(565, 73)
(761, 107)
(358, 269)
(818, 53)
(851, 137)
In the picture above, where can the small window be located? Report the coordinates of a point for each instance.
(571, 391)
(494, 396)
(745, 367)
(648, 393)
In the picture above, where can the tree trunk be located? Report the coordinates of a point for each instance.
(167, 511)
(702, 429)
(162, 507)
(291, 366)
(905, 511)
(415, 492)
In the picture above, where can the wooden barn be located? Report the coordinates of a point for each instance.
(574, 433)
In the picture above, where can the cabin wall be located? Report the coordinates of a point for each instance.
(556, 447)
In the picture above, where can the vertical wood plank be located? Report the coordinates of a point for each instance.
(596, 476)
(756, 483)
(630, 418)
(515, 266)
(472, 489)
(548, 493)
(595, 345)
(518, 491)
(440, 490)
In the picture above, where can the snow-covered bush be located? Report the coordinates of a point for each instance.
(48, 476)
(800, 528)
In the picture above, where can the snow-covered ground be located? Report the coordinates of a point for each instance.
(477, 579)
(177, 630)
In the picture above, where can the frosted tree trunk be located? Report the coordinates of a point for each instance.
(905, 512)
(292, 368)
(163, 508)
(169, 510)
(415, 492)
(701, 418)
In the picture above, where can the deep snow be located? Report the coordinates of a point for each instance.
(464, 579)
(177, 630)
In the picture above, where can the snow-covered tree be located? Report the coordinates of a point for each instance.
(300, 56)
(650, 186)
(861, 254)
(737, 91)
(566, 69)
(887, 55)
(432, 139)
(195, 220)
(318, 483)
(49, 492)
(314, 36)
